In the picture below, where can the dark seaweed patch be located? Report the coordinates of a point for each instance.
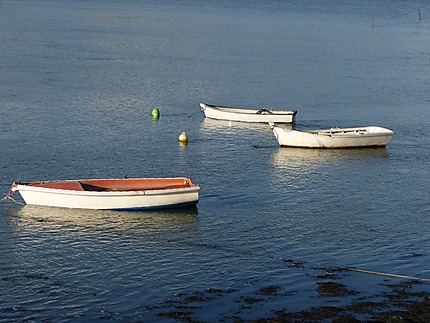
(334, 289)
(183, 316)
(269, 290)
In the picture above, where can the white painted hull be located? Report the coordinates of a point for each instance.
(248, 115)
(109, 200)
(334, 138)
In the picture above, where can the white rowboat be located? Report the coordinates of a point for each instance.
(111, 194)
(248, 115)
(333, 138)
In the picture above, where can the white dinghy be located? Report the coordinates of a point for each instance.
(248, 115)
(333, 138)
(111, 194)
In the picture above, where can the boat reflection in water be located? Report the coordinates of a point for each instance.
(119, 222)
(233, 127)
(300, 160)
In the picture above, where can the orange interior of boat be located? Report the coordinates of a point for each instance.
(138, 184)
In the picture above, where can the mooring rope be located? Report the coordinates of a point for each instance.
(194, 113)
(381, 274)
(262, 139)
(9, 197)
(362, 271)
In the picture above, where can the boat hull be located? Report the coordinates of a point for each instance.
(248, 115)
(334, 138)
(124, 198)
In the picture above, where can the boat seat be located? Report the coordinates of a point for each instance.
(264, 111)
(94, 188)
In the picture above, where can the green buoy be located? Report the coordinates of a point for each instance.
(155, 113)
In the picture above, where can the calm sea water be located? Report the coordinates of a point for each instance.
(78, 81)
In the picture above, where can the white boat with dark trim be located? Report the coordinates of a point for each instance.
(371, 136)
(248, 115)
(111, 194)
